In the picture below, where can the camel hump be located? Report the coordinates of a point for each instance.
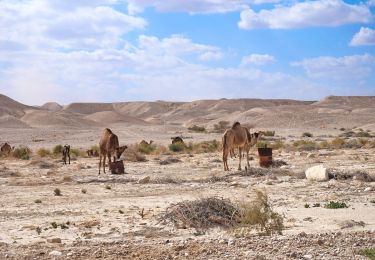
(235, 125)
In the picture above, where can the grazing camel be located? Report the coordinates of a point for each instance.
(235, 137)
(144, 143)
(5, 149)
(177, 139)
(66, 153)
(109, 147)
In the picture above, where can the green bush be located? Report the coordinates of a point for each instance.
(177, 147)
(307, 145)
(22, 152)
(368, 252)
(57, 150)
(146, 149)
(43, 152)
(336, 205)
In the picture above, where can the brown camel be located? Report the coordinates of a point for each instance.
(144, 143)
(177, 139)
(5, 149)
(109, 147)
(66, 153)
(236, 137)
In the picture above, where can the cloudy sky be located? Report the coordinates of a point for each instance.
(124, 50)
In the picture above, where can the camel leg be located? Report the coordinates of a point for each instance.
(104, 159)
(100, 162)
(109, 161)
(247, 157)
(240, 156)
(225, 160)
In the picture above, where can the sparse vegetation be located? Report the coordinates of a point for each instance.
(37, 201)
(108, 187)
(335, 205)
(43, 152)
(307, 206)
(221, 126)
(196, 128)
(259, 213)
(57, 192)
(307, 134)
(38, 230)
(146, 149)
(84, 191)
(77, 153)
(368, 252)
(120, 211)
(268, 133)
(57, 150)
(22, 152)
(316, 205)
(177, 147)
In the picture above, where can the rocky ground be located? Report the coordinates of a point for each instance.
(118, 216)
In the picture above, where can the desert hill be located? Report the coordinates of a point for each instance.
(332, 111)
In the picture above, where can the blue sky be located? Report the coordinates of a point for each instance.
(126, 50)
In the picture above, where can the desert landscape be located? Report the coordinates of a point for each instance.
(176, 201)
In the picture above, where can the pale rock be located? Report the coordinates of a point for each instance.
(54, 240)
(144, 180)
(317, 173)
(55, 253)
(368, 189)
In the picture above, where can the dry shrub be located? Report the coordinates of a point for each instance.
(131, 154)
(57, 150)
(166, 180)
(258, 172)
(146, 149)
(259, 214)
(214, 179)
(221, 126)
(89, 223)
(202, 213)
(340, 174)
(43, 152)
(196, 128)
(206, 147)
(169, 160)
(338, 142)
(75, 153)
(177, 147)
(268, 133)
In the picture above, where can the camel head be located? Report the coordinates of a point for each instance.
(120, 150)
(151, 141)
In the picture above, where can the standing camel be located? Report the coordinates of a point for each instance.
(109, 147)
(235, 137)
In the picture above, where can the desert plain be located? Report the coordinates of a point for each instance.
(111, 216)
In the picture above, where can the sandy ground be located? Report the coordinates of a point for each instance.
(106, 221)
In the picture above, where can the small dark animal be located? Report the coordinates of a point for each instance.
(109, 147)
(6, 149)
(90, 153)
(177, 139)
(66, 153)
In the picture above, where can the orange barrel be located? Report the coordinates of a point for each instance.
(265, 157)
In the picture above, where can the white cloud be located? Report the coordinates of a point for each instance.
(193, 6)
(258, 59)
(355, 67)
(42, 24)
(306, 14)
(365, 36)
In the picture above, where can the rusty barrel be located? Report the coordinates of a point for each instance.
(265, 157)
(117, 167)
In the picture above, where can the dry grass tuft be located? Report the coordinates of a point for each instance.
(166, 180)
(259, 214)
(169, 160)
(41, 164)
(202, 213)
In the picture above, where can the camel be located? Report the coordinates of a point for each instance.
(66, 153)
(235, 137)
(5, 149)
(109, 147)
(252, 138)
(144, 143)
(177, 139)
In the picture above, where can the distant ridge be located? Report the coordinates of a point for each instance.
(331, 111)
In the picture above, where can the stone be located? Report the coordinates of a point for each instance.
(144, 180)
(54, 240)
(55, 253)
(317, 173)
(368, 189)
(307, 256)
